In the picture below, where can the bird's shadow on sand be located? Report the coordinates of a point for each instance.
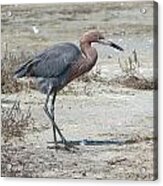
(94, 142)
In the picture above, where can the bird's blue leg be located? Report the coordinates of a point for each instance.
(55, 127)
(52, 120)
(49, 115)
(53, 116)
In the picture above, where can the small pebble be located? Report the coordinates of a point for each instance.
(35, 29)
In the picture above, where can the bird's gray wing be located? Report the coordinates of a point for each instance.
(53, 61)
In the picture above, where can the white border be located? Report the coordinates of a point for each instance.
(58, 182)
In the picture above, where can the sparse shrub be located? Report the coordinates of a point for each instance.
(14, 121)
(130, 66)
(135, 82)
(132, 77)
(10, 61)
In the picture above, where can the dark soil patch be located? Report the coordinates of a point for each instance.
(136, 82)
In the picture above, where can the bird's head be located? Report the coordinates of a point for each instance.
(92, 36)
(98, 37)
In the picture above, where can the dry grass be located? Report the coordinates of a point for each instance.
(132, 78)
(135, 82)
(10, 61)
(15, 121)
(130, 66)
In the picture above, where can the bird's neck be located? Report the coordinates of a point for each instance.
(89, 52)
(86, 62)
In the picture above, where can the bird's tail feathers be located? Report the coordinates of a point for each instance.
(22, 70)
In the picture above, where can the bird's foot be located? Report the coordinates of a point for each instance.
(63, 146)
(70, 147)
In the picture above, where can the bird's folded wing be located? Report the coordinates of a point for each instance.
(52, 62)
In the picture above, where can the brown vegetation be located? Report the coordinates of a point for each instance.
(10, 61)
(14, 121)
(132, 77)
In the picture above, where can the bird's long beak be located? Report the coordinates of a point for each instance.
(110, 43)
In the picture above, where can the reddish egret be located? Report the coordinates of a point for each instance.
(55, 67)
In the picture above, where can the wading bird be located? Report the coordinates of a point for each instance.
(55, 67)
